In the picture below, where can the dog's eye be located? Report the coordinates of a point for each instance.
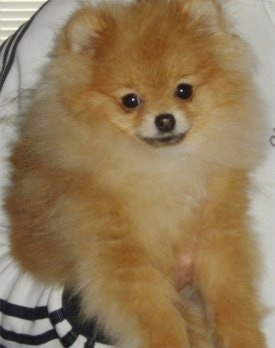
(184, 91)
(131, 101)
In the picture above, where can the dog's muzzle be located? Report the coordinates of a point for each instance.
(166, 134)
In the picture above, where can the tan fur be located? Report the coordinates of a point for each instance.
(95, 208)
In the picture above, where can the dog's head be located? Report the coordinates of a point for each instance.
(162, 72)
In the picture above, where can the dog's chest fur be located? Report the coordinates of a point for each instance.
(163, 207)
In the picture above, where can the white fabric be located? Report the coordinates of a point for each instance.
(255, 20)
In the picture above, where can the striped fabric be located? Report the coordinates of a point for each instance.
(10, 45)
(32, 314)
(70, 337)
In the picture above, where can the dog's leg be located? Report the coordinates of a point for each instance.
(194, 314)
(224, 273)
(135, 304)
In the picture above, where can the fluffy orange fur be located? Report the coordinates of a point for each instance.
(97, 207)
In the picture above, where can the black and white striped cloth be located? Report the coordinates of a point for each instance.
(8, 48)
(32, 314)
(35, 315)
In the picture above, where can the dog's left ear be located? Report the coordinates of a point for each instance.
(208, 12)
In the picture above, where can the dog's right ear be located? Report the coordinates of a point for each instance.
(81, 31)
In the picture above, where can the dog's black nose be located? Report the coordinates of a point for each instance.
(165, 122)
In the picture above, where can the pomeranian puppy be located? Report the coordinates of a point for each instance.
(133, 162)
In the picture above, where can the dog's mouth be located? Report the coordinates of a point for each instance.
(164, 140)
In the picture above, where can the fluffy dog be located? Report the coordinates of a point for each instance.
(133, 161)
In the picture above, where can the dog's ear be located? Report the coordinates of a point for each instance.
(81, 31)
(208, 12)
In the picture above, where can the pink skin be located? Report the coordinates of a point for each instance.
(183, 273)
